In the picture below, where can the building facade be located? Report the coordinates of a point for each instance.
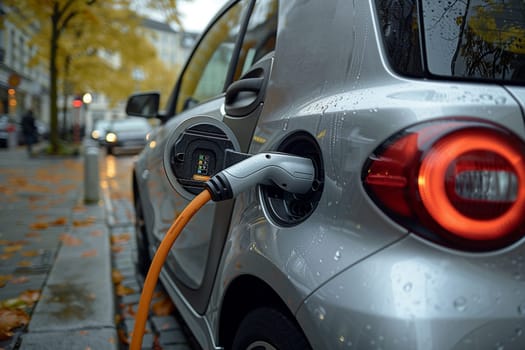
(23, 86)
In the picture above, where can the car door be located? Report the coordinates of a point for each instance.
(225, 79)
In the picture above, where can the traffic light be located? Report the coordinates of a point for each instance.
(77, 102)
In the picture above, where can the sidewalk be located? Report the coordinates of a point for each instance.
(73, 258)
(55, 248)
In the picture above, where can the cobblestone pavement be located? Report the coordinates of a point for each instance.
(164, 329)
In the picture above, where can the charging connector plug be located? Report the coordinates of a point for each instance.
(291, 173)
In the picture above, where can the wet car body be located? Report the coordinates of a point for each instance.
(98, 132)
(354, 271)
(126, 135)
(7, 126)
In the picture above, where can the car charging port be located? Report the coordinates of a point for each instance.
(288, 209)
(198, 154)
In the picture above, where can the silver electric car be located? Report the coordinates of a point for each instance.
(412, 234)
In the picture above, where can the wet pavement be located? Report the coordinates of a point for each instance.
(67, 265)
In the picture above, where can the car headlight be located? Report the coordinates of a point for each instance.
(95, 134)
(111, 137)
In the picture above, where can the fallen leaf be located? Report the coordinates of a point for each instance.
(59, 222)
(79, 209)
(116, 276)
(85, 222)
(122, 238)
(11, 319)
(6, 256)
(4, 279)
(123, 290)
(30, 253)
(24, 263)
(122, 336)
(30, 297)
(163, 307)
(96, 233)
(39, 225)
(24, 300)
(13, 248)
(19, 280)
(89, 253)
(117, 248)
(32, 235)
(69, 240)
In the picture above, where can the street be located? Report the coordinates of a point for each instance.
(67, 278)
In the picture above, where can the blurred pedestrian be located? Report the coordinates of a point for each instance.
(29, 130)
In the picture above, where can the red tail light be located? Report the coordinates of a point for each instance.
(457, 182)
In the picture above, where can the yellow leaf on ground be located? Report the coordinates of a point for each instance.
(96, 233)
(13, 248)
(122, 238)
(6, 256)
(69, 240)
(89, 253)
(32, 235)
(24, 263)
(116, 276)
(163, 307)
(30, 296)
(117, 248)
(11, 319)
(30, 253)
(19, 280)
(123, 290)
(4, 279)
(39, 225)
(24, 300)
(85, 222)
(59, 222)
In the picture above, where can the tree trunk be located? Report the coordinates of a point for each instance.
(53, 110)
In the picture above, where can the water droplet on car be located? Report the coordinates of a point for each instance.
(521, 309)
(407, 287)
(337, 255)
(460, 304)
(500, 100)
(486, 97)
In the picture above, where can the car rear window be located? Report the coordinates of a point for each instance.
(469, 39)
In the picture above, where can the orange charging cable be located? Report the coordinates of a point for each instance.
(157, 262)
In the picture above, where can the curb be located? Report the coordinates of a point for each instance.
(77, 305)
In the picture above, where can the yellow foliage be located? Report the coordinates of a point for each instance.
(483, 23)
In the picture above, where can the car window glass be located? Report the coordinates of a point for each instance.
(260, 35)
(131, 124)
(476, 39)
(399, 26)
(205, 74)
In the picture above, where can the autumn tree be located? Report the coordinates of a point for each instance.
(88, 45)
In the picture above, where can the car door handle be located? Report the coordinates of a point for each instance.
(244, 85)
